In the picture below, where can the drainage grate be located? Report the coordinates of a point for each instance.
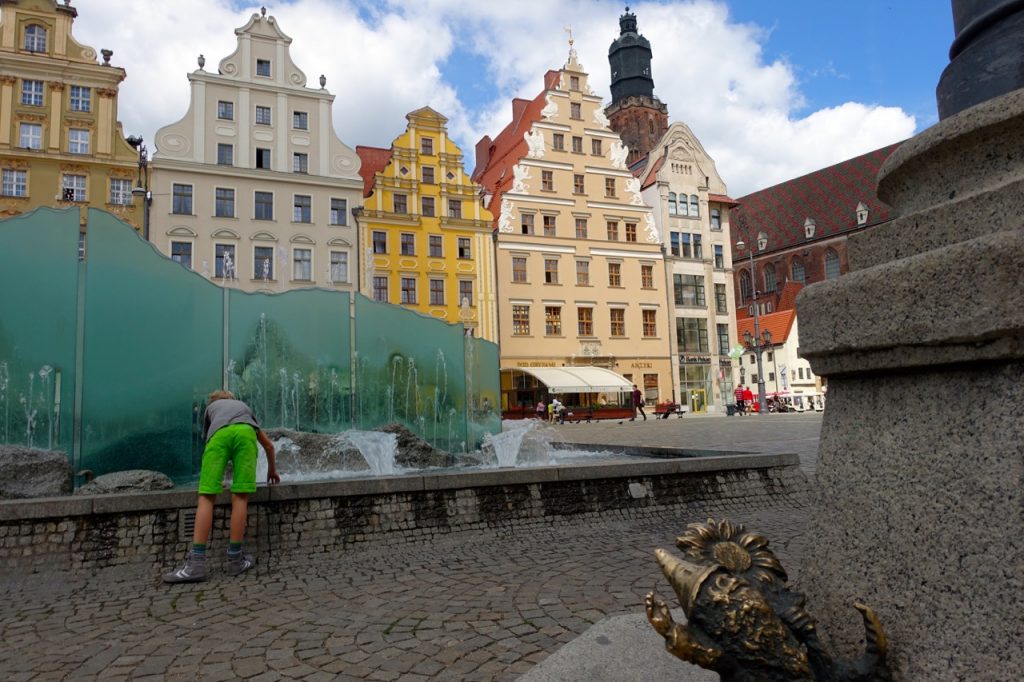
(186, 524)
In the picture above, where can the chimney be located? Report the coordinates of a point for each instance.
(483, 155)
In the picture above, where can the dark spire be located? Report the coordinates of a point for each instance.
(630, 59)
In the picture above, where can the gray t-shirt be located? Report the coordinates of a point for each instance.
(224, 412)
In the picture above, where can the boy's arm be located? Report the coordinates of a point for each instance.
(268, 447)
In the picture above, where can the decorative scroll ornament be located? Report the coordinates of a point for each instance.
(651, 229)
(550, 109)
(505, 218)
(743, 621)
(600, 119)
(520, 174)
(617, 154)
(633, 187)
(535, 143)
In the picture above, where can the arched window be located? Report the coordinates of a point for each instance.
(651, 126)
(35, 38)
(672, 203)
(744, 285)
(798, 271)
(682, 205)
(694, 206)
(769, 278)
(831, 264)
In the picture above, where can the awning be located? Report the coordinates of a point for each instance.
(577, 379)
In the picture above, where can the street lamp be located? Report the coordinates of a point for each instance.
(142, 189)
(757, 342)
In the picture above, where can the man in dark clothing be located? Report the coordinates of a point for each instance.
(740, 403)
(638, 403)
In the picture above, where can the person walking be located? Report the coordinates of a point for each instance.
(540, 410)
(638, 404)
(231, 433)
(740, 407)
(748, 398)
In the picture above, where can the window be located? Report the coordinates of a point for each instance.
(408, 290)
(575, 111)
(224, 202)
(650, 322)
(427, 206)
(73, 187)
(584, 321)
(454, 208)
(615, 274)
(121, 191)
(262, 158)
(35, 38)
(574, 82)
(15, 183)
(264, 206)
(595, 147)
(692, 246)
(769, 278)
(831, 264)
(719, 257)
(181, 199)
(31, 136)
(435, 246)
(723, 339)
(302, 265)
(225, 154)
(300, 120)
(78, 141)
(613, 231)
(339, 211)
(427, 146)
(302, 209)
(716, 219)
(339, 266)
(798, 271)
(577, 184)
(400, 203)
(81, 98)
(675, 240)
(630, 232)
(692, 334)
(721, 304)
(618, 321)
(558, 142)
(526, 223)
(551, 271)
(520, 320)
(672, 203)
(262, 115)
(263, 263)
(609, 187)
(300, 163)
(745, 285)
(583, 273)
(181, 252)
(581, 228)
(465, 252)
(437, 292)
(380, 241)
(547, 181)
(428, 175)
(465, 292)
(577, 144)
(689, 289)
(518, 268)
(407, 244)
(263, 67)
(224, 261)
(380, 288)
(549, 225)
(682, 205)
(647, 276)
(32, 93)
(226, 110)
(694, 206)
(552, 320)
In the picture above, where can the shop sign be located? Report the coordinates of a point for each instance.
(694, 359)
(536, 363)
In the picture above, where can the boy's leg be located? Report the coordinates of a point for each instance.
(243, 484)
(239, 514)
(194, 568)
(204, 520)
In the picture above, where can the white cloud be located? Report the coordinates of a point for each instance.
(387, 60)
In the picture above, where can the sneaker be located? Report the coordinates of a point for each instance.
(193, 571)
(240, 565)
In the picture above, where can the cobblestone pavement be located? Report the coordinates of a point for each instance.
(474, 606)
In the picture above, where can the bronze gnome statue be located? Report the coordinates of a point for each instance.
(743, 621)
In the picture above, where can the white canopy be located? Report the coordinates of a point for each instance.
(578, 379)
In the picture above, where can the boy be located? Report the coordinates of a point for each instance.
(231, 432)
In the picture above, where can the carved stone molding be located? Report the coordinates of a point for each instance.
(106, 92)
(8, 80)
(56, 86)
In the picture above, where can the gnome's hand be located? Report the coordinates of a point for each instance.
(658, 614)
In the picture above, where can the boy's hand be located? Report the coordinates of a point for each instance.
(272, 477)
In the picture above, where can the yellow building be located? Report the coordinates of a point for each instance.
(60, 142)
(426, 236)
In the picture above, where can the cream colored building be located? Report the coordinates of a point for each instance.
(680, 179)
(580, 272)
(253, 188)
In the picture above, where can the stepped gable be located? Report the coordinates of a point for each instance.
(374, 160)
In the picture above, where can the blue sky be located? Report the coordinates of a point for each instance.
(772, 88)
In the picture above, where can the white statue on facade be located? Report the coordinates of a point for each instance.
(520, 174)
(550, 109)
(535, 142)
(633, 187)
(600, 119)
(505, 218)
(617, 155)
(651, 229)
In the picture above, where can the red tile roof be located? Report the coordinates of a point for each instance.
(652, 176)
(374, 160)
(723, 199)
(779, 324)
(829, 196)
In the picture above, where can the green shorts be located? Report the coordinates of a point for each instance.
(234, 442)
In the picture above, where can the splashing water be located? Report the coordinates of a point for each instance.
(44, 387)
(378, 449)
(4, 382)
(29, 410)
(284, 396)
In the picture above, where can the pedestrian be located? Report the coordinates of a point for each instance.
(540, 410)
(740, 408)
(748, 398)
(551, 411)
(231, 433)
(638, 404)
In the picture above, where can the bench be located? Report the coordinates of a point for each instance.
(664, 410)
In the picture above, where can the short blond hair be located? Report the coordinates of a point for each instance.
(220, 395)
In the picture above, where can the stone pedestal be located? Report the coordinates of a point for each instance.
(920, 495)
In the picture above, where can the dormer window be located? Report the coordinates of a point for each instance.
(862, 213)
(809, 227)
(263, 67)
(35, 38)
(574, 82)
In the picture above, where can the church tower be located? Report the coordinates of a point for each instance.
(635, 113)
